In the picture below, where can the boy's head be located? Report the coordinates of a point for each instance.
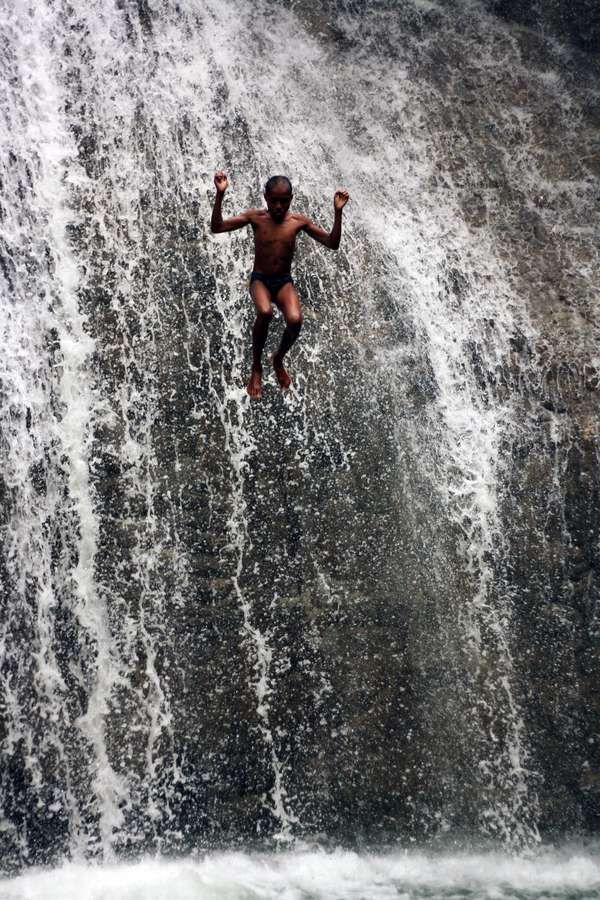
(278, 194)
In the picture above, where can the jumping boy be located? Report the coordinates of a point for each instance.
(275, 231)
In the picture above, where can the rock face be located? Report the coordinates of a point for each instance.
(577, 22)
(366, 611)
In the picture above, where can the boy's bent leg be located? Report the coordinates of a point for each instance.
(264, 313)
(288, 302)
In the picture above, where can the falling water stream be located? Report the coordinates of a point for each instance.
(244, 625)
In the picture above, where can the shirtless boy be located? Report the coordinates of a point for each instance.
(275, 231)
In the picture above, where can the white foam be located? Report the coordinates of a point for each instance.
(317, 875)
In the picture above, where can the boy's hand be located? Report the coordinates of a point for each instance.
(340, 198)
(221, 182)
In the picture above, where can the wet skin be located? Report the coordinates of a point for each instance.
(275, 232)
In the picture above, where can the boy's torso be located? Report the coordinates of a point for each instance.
(274, 243)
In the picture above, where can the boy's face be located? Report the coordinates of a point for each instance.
(278, 201)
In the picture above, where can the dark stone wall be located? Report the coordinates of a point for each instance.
(576, 22)
(544, 228)
(333, 539)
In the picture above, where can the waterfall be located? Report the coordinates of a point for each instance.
(336, 612)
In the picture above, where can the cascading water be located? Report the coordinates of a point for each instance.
(323, 614)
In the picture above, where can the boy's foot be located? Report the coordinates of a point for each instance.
(254, 386)
(282, 376)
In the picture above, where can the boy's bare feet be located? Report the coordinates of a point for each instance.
(282, 376)
(254, 386)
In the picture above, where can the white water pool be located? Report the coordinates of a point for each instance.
(570, 874)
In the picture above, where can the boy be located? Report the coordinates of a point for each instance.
(275, 231)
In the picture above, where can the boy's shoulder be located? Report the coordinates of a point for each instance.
(262, 216)
(300, 219)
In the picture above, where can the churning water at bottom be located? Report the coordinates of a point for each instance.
(569, 873)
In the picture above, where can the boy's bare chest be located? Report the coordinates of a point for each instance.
(267, 234)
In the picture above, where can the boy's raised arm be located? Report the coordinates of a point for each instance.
(217, 223)
(330, 239)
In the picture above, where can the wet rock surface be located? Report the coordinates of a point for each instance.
(577, 22)
(312, 617)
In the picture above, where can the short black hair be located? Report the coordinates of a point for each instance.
(276, 180)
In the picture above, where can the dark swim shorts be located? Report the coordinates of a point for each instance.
(272, 282)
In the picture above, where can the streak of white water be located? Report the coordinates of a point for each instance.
(49, 155)
(240, 446)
